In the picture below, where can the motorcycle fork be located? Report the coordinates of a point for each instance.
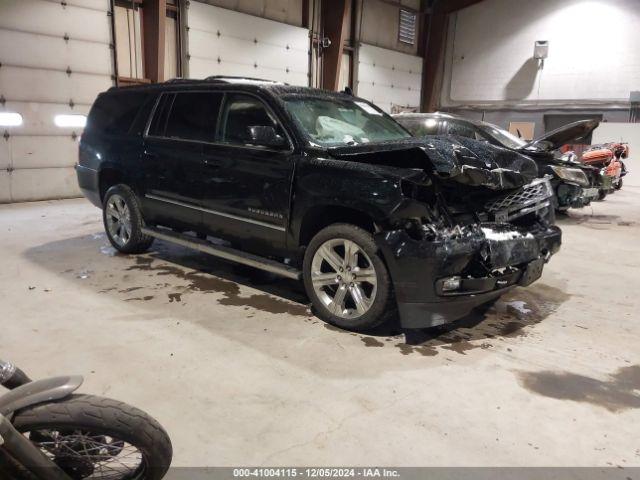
(27, 454)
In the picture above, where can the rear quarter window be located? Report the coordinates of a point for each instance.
(114, 114)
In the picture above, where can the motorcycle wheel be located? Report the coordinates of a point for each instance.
(96, 437)
(602, 194)
(618, 185)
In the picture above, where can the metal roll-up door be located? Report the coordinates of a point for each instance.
(55, 57)
(224, 42)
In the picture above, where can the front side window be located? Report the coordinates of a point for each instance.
(243, 115)
(193, 116)
(339, 122)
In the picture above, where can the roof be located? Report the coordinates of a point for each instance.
(245, 83)
(438, 115)
(429, 115)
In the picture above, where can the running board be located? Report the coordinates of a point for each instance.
(226, 253)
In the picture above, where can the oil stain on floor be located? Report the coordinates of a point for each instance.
(512, 316)
(170, 274)
(509, 317)
(616, 393)
(205, 282)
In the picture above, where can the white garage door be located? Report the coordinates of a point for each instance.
(389, 78)
(224, 42)
(54, 59)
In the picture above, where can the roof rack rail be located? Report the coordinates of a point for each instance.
(180, 80)
(231, 79)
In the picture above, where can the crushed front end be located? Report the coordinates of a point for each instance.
(475, 244)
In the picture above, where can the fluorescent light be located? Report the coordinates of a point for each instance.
(70, 121)
(10, 119)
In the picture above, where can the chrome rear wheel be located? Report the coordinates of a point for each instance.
(118, 219)
(123, 220)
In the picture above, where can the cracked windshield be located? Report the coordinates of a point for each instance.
(331, 123)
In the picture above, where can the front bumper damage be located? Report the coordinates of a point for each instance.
(569, 195)
(441, 274)
(487, 260)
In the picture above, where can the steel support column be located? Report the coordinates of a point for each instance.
(334, 28)
(153, 23)
(432, 46)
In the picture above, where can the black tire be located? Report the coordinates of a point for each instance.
(103, 416)
(602, 194)
(137, 242)
(618, 185)
(383, 304)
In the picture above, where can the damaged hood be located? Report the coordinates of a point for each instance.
(561, 136)
(457, 159)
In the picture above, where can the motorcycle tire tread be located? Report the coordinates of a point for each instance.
(106, 416)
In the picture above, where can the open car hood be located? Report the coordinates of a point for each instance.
(458, 159)
(561, 136)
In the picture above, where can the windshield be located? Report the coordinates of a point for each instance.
(507, 139)
(338, 122)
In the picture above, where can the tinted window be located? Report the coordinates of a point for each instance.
(420, 127)
(462, 129)
(242, 112)
(194, 116)
(114, 113)
(159, 121)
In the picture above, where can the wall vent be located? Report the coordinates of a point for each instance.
(407, 27)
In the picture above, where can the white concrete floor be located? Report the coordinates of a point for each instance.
(233, 365)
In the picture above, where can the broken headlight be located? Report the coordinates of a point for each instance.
(573, 175)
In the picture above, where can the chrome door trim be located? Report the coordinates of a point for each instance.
(215, 212)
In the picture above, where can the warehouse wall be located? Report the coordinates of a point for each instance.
(593, 53)
(287, 11)
(379, 24)
(388, 72)
(54, 59)
(388, 78)
(225, 42)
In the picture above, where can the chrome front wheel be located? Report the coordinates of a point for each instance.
(344, 278)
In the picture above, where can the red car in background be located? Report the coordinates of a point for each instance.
(608, 157)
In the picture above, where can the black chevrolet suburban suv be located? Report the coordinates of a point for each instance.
(318, 186)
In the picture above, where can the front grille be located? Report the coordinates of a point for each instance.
(529, 198)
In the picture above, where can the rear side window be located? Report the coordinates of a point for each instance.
(194, 116)
(114, 113)
(159, 121)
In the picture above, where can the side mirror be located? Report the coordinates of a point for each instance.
(266, 136)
